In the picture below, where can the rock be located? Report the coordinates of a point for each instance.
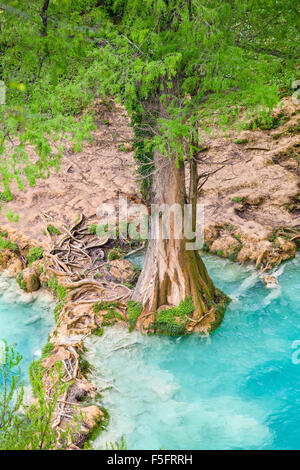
(14, 266)
(91, 416)
(81, 389)
(287, 247)
(122, 270)
(225, 245)
(5, 256)
(29, 280)
(58, 354)
(271, 282)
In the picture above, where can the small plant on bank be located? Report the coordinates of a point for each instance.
(114, 253)
(21, 282)
(237, 199)
(134, 311)
(235, 251)
(35, 254)
(53, 230)
(205, 247)
(92, 229)
(58, 289)
(61, 293)
(117, 445)
(47, 350)
(98, 331)
(266, 121)
(111, 315)
(6, 244)
(96, 431)
(172, 321)
(6, 196)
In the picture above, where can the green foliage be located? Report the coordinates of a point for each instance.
(6, 244)
(21, 282)
(237, 199)
(134, 311)
(98, 306)
(239, 56)
(58, 289)
(205, 247)
(266, 121)
(111, 314)
(29, 427)
(35, 254)
(100, 426)
(114, 253)
(235, 251)
(57, 309)
(173, 320)
(84, 366)
(53, 230)
(47, 350)
(92, 229)
(117, 445)
(98, 331)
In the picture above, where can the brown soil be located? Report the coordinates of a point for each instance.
(85, 180)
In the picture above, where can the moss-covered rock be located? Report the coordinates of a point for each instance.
(28, 280)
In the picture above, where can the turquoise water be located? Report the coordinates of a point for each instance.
(238, 389)
(25, 320)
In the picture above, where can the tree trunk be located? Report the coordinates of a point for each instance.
(171, 273)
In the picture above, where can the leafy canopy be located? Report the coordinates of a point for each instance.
(202, 60)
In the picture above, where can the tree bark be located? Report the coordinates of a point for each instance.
(171, 273)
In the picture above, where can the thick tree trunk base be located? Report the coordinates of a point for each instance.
(174, 288)
(177, 280)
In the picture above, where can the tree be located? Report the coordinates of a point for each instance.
(177, 66)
